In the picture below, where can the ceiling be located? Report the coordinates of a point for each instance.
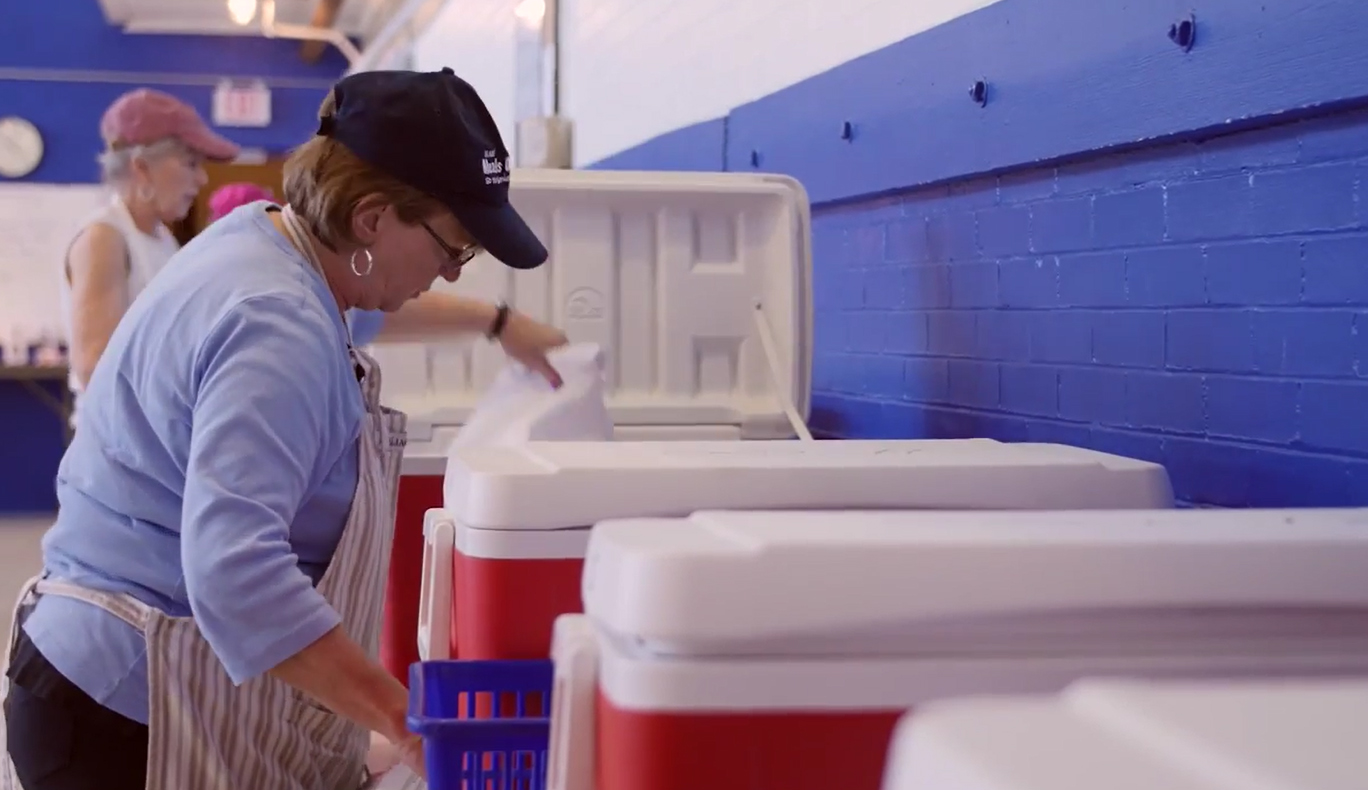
(358, 18)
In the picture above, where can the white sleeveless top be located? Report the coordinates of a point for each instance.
(147, 254)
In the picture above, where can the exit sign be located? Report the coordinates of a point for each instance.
(242, 104)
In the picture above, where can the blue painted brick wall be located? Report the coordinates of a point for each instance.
(1201, 304)
(1154, 251)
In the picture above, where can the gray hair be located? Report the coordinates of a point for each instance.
(116, 164)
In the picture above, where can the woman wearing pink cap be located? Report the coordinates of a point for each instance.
(154, 146)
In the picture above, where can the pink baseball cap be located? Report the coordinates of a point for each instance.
(230, 196)
(145, 116)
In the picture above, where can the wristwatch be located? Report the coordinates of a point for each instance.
(501, 313)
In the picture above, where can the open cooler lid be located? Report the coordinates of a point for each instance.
(1140, 736)
(554, 485)
(963, 583)
(697, 285)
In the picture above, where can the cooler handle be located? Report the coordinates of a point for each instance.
(434, 600)
(574, 651)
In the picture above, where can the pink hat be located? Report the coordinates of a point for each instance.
(230, 196)
(146, 116)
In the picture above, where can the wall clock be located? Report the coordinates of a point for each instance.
(21, 147)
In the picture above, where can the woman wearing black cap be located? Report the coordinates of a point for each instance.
(209, 609)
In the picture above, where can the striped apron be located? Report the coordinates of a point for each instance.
(207, 734)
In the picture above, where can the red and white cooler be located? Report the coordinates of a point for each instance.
(737, 651)
(1290, 735)
(696, 285)
(519, 517)
(420, 489)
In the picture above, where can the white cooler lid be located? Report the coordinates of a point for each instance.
(665, 271)
(983, 584)
(1139, 736)
(553, 485)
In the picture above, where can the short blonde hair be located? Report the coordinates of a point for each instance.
(324, 182)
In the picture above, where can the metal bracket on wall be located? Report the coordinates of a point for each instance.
(979, 92)
(1184, 32)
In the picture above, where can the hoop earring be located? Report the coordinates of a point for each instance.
(370, 262)
(144, 193)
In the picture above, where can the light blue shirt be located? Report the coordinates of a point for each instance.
(214, 467)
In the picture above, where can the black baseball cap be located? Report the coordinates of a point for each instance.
(431, 131)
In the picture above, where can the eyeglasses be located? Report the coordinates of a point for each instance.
(456, 257)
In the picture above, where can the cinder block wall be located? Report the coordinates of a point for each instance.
(1131, 245)
(1198, 304)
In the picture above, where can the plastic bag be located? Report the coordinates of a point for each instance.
(520, 406)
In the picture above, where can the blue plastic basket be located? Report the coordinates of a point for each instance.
(485, 725)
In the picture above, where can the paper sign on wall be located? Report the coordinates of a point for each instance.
(37, 224)
(242, 104)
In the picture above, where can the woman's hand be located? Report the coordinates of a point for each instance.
(385, 755)
(411, 754)
(382, 755)
(528, 341)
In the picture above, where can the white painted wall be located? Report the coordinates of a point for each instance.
(477, 39)
(634, 69)
(37, 223)
(482, 42)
